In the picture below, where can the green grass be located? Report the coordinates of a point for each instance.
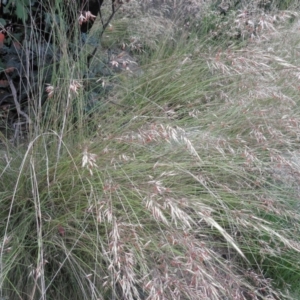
(181, 183)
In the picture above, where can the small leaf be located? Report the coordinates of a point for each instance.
(2, 38)
(20, 11)
(2, 22)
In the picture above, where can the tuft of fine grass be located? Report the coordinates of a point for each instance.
(181, 183)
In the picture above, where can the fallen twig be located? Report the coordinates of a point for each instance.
(15, 97)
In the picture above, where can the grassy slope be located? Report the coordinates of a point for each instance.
(187, 188)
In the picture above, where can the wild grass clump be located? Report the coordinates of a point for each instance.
(181, 183)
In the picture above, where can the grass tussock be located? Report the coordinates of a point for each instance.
(179, 183)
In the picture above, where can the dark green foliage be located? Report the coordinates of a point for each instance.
(37, 13)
